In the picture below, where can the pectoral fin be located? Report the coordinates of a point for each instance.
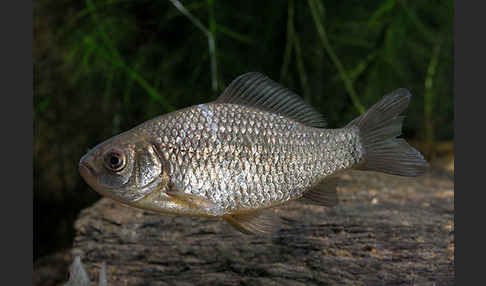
(255, 222)
(324, 193)
(196, 202)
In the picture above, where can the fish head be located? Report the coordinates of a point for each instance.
(126, 168)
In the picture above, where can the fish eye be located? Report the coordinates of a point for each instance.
(115, 160)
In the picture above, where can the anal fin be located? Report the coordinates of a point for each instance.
(255, 222)
(323, 193)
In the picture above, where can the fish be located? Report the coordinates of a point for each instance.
(256, 147)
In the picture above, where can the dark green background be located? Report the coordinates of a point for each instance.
(102, 67)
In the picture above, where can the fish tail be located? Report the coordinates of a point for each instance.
(378, 129)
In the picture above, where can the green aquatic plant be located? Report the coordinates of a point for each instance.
(209, 34)
(317, 10)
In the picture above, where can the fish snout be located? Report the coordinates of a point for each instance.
(85, 167)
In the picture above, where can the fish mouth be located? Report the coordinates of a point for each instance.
(88, 173)
(86, 170)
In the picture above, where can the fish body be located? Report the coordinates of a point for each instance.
(257, 146)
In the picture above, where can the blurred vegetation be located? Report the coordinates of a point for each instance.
(104, 66)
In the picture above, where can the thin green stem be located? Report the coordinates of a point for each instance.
(236, 36)
(212, 45)
(289, 42)
(430, 96)
(106, 40)
(426, 33)
(293, 41)
(133, 74)
(300, 67)
(361, 67)
(315, 7)
(116, 60)
(209, 34)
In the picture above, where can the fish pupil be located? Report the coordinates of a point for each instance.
(114, 160)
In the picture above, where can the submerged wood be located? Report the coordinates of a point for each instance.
(386, 230)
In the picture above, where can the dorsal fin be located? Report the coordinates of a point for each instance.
(257, 90)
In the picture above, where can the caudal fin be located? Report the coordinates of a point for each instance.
(378, 129)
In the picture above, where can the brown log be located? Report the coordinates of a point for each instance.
(387, 230)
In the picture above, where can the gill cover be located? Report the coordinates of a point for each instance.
(147, 167)
(146, 175)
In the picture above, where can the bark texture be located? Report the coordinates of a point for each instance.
(386, 230)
